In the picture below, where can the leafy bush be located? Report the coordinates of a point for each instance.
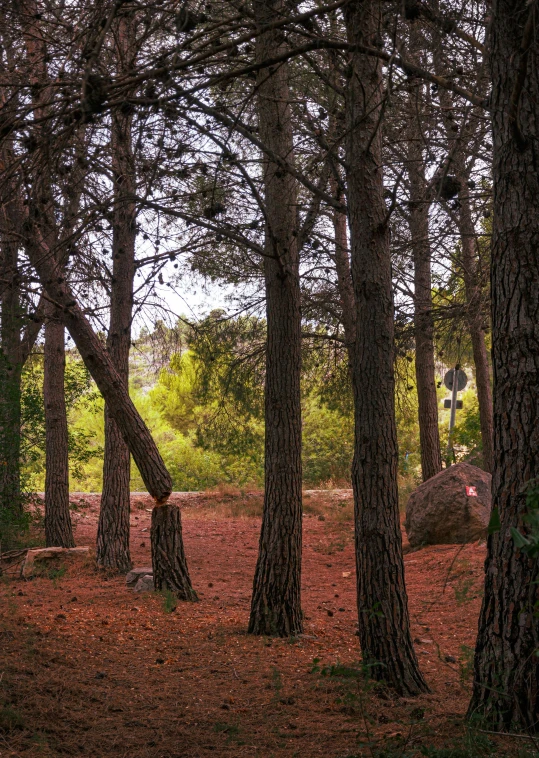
(205, 409)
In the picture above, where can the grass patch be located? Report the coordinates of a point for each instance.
(170, 601)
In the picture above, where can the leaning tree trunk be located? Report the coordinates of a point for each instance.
(58, 529)
(384, 628)
(98, 362)
(506, 680)
(168, 556)
(39, 234)
(418, 208)
(113, 529)
(276, 600)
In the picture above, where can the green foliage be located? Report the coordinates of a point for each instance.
(463, 590)
(466, 663)
(14, 525)
(467, 432)
(328, 440)
(205, 409)
(190, 467)
(212, 395)
(78, 394)
(170, 601)
(473, 744)
(55, 574)
(338, 670)
(232, 732)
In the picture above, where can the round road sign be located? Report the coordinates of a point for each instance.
(462, 379)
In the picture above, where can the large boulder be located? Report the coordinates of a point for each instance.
(452, 507)
(37, 555)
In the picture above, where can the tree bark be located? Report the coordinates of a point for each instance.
(418, 220)
(458, 143)
(168, 557)
(10, 381)
(112, 550)
(58, 528)
(475, 317)
(384, 629)
(342, 267)
(506, 680)
(113, 529)
(15, 350)
(276, 600)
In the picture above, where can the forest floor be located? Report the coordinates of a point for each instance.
(90, 668)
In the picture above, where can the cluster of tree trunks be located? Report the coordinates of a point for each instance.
(506, 664)
(113, 528)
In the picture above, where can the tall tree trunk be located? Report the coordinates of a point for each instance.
(384, 629)
(459, 142)
(476, 317)
(276, 600)
(112, 551)
(58, 529)
(10, 381)
(429, 434)
(340, 222)
(342, 267)
(506, 680)
(15, 347)
(113, 530)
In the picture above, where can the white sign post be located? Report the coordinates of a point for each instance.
(455, 380)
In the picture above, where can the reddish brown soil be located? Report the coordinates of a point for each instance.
(89, 668)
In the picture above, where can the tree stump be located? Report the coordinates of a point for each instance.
(168, 556)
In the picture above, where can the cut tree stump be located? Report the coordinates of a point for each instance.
(47, 553)
(168, 557)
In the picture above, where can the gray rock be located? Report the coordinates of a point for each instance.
(47, 553)
(134, 575)
(145, 584)
(440, 512)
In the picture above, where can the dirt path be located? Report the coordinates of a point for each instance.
(89, 668)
